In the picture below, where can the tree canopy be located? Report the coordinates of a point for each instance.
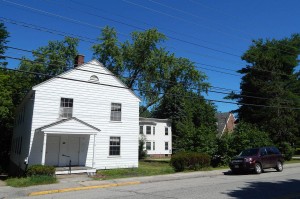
(145, 66)
(270, 77)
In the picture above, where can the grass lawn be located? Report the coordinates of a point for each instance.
(144, 169)
(30, 181)
(292, 161)
(148, 167)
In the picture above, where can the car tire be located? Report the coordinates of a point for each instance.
(279, 166)
(258, 168)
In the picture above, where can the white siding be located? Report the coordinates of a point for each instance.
(22, 130)
(91, 104)
(159, 137)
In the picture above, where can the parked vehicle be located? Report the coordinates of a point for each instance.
(257, 159)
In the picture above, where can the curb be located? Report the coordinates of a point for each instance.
(38, 193)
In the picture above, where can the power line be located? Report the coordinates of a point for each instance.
(128, 78)
(79, 37)
(153, 10)
(122, 87)
(98, 27)
(62, 17)
(148, 24)
(204, 64)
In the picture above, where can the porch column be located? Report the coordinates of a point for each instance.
(93, 163)
(44, 149)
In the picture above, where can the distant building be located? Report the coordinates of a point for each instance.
(158, 134)
(225, 123)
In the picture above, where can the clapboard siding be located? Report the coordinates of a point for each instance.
(91, 104)
(22, 129)
(159, 137)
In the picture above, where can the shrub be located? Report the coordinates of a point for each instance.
(189, 160)
(39, 170)
(287, 150)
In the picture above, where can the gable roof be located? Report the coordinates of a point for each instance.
(71, 125)
(222, 119)
(82, 66)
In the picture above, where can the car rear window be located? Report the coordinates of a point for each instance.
(249, 152)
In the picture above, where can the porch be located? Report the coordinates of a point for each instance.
(68, 145)
(74, 170)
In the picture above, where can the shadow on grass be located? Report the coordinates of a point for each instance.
(3, 177)
(267, 190)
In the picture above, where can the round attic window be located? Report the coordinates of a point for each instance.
(94, 78)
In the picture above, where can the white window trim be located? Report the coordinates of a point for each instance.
(59, 108)
(114, 156)
(113, 121)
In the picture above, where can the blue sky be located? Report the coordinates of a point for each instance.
(212, 26)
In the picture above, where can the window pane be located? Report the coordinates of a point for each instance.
(66, 107)
(154, 130)
(114, 145)
(166, 146)
(166, 131)
(115, 112)
(148, 145)
(148, 130)
(141, 130)
(153, 145)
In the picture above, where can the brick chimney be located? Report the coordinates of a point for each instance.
(79, 60)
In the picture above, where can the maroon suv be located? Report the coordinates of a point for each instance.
(257, 159)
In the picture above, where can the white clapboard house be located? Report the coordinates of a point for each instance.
(85, 117)
(158, 136)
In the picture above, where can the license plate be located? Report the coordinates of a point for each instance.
(236, 166)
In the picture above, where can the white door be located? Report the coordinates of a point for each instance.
(52, 150)
(74, 143)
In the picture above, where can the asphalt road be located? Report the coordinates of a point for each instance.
(272, 184)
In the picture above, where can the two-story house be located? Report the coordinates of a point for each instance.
(158, 136)
(84, 117)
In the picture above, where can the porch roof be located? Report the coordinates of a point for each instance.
(71, 125)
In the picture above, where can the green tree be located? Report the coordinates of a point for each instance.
(146, 66)
(5, 101)
(270, 76)
(244, 136)
(193, 120)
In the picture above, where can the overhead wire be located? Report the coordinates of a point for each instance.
(122, 87)
(99, 27)
(154, 10)
(129, 78)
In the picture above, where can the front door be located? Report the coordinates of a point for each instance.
(52, 150)
(74, 144)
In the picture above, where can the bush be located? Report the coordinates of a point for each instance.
(189, 160)
(40, 170)
(287, 150)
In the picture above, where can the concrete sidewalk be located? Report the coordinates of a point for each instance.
(83, 182)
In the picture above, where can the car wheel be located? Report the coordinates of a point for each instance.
(257, 168)
(279, 166)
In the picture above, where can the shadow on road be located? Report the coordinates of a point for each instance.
(267, 190)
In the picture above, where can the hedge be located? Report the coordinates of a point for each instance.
(39, 170)
(189, 160)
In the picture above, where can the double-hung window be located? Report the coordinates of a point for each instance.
(114, 146)
(166, 145)
(141, 130)
(148, 130)
(166, 131)
(116, 112)
(66, 107)
(148, 145)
